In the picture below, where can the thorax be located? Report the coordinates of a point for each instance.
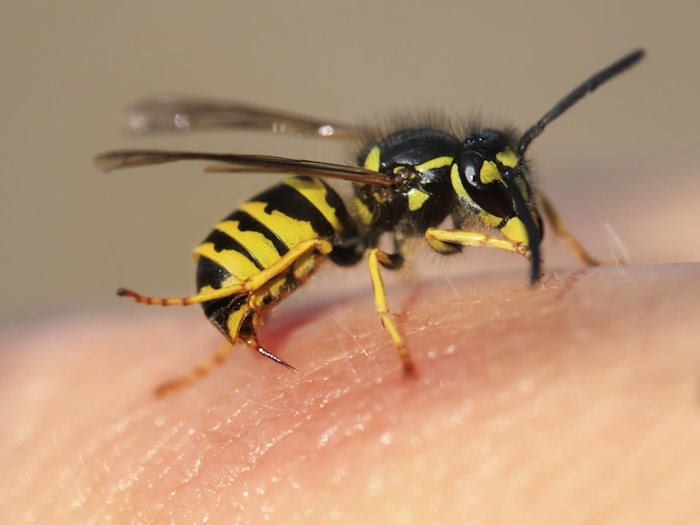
(419, 161)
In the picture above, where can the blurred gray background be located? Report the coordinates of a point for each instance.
(71, 234)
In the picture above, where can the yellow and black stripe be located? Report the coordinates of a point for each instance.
(258, 235)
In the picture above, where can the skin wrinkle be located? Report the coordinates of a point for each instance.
(451, 427)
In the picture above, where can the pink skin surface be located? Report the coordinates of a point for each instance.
(575, 401)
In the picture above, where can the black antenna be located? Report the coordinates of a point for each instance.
(569, 100)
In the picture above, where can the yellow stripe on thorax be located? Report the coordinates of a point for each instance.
(315, 192)
(256, 243)
(372, 159)
(288, 229)
(437, 162)
(416, 198)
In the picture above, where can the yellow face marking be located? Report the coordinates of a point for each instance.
(372, 159)
(315, 192)
(256, 243)
(485, 217)
(363, 212)
(238, 264)
(437, 162)
(291, 231)
(488, 219)
(416, 198)
(489, 172)
(515, 231)
(508, 157)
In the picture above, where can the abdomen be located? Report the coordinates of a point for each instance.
(259, 234)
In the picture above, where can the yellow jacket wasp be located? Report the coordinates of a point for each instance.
(407, 182)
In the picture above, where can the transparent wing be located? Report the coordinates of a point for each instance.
(115, 160)
(178, 113)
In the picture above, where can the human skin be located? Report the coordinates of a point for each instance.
(575, 401)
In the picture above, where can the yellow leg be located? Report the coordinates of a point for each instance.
(199, 371)
(205, 367)
(237, 289)
(377, 257)
(440, 240)
(226, 291)
(560, 229)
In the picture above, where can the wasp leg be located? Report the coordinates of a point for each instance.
(240, 288)
(442, 241)
(377, 257)
(249, 338)
(562, 231)
(202, 297)
(247, 333)
(199, 371)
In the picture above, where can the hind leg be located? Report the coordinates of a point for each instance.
(237, 289)
(242, 303)
(197, 372)
(228, 318)
(240, 320)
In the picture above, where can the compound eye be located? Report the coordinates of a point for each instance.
(492, 197)
(469, 168)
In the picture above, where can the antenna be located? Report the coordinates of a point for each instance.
(577, 94)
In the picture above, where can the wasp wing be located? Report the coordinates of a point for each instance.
(115, 160)
(181, 113)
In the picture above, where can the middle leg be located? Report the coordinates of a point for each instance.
(391, 261)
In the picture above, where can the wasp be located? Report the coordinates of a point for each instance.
(407, 183)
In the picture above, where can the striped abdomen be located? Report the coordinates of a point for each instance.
(256, 236)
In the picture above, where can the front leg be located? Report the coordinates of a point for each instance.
(443, 241)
